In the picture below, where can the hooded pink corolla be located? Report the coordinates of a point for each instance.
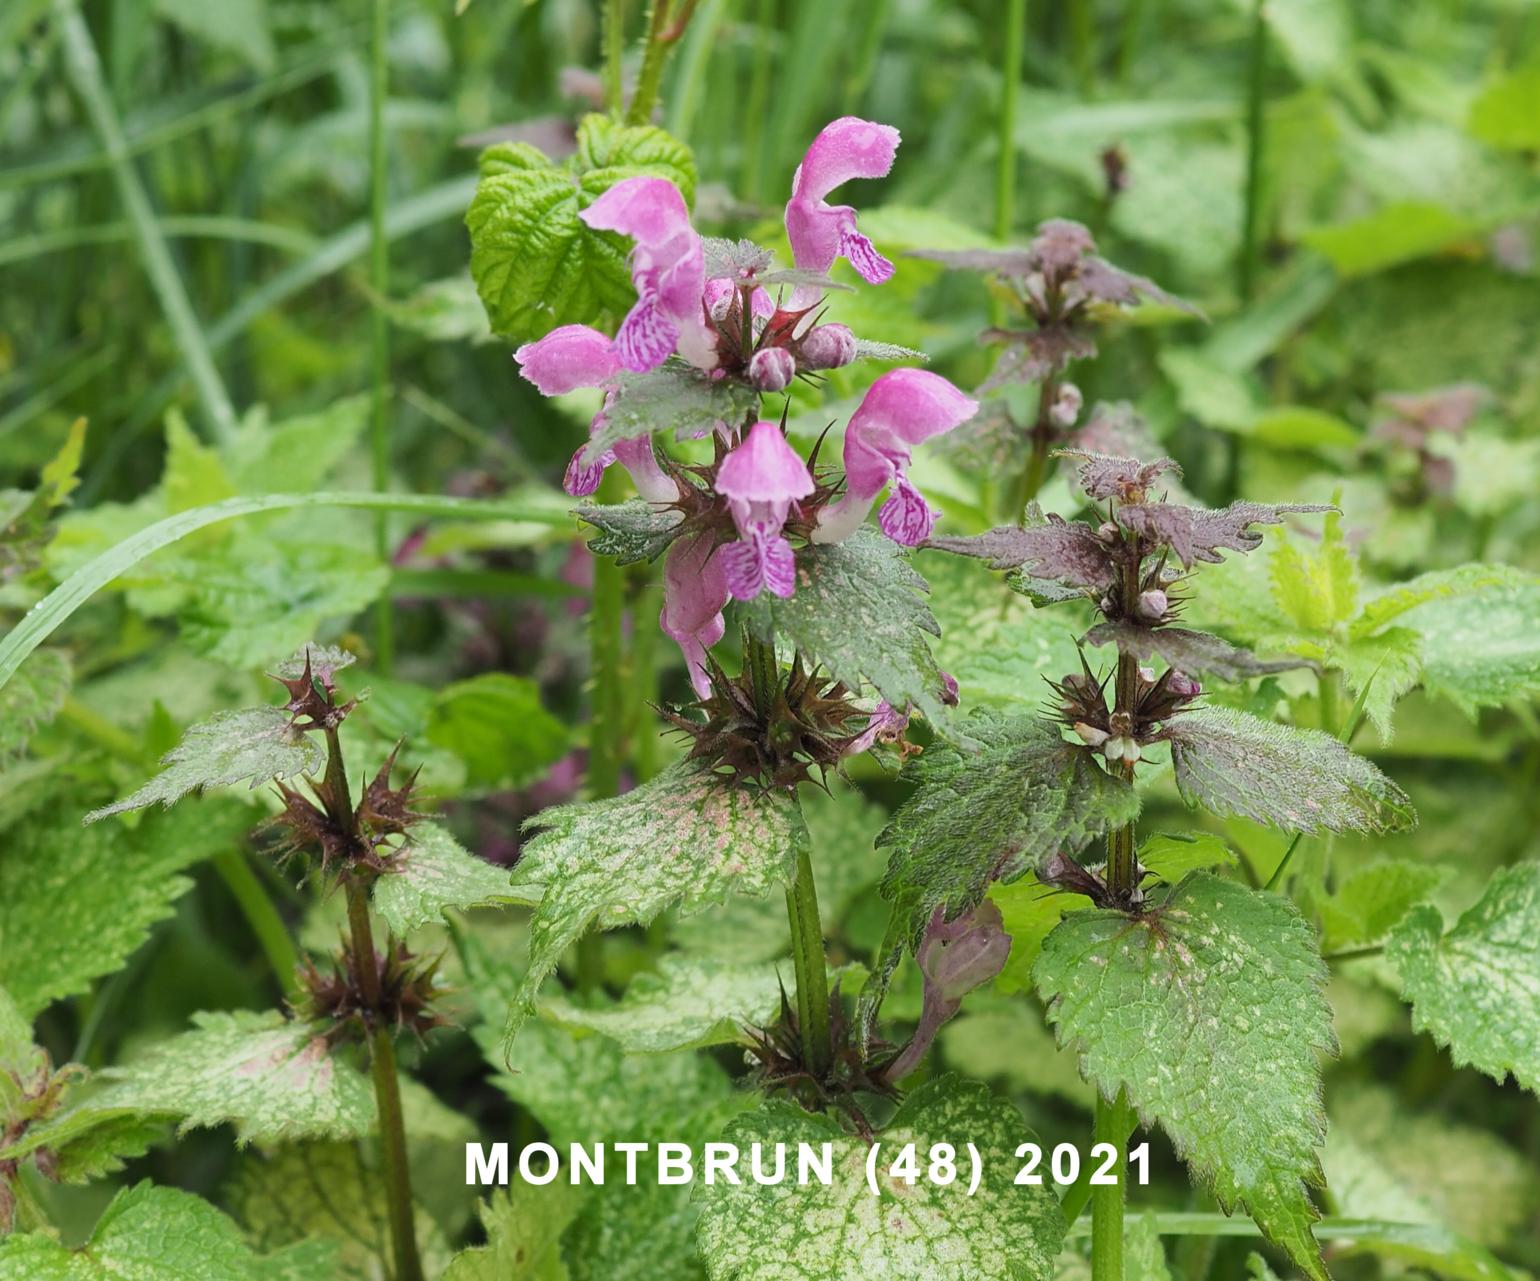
(694, 594)
(761, 479)
(668, 268)
(819, 232)
(573, 357)
(901, 409)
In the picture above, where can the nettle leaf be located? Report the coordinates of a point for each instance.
(431, 873)
(1387, 665)
(1377, 1166)
(75, 905)
(809, 1232)
(1210, 1010)
(496, 725)
(1474, 989)
(537, 264)
(259, 745)
(1298, 779)
(1482, 650)
(982, 814)
(156, 1234)
(684, 837)
(1197, 653)
(1373, 898)
(260, 596)
(1198, 534)
(331, 1193)
(1171, 855)
(689, 1002)
(274, 1079)
(631, 531)
(587, 1089)
(1316, 589)
(524, 1224)
(1046, 547)
(843, 826)
(992, 813)
(674, 397)
(860, 612)
(32, 698)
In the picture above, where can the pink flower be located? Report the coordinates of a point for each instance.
(819, 232)
(668, 268)
(694, 594)
(761, 479)
(901, 409)
(576, 356)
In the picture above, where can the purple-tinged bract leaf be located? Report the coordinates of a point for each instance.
(1051, 547)
(1194, 533)
(1189, 651)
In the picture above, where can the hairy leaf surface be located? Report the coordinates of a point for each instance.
(1211, 1011)
(681, 838)
(688, 1002)
(157, 1234)
(32, 698)
(1476, 989)
(631, 531)
(809, 1232)
(273, 1079)
(432, 873)
(1297, 779)
(258, 745)
(860, 612)
(74, 904)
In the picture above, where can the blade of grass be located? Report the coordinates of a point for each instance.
(84, 71)
(44, 618)
(200, 226)
(1256, 120)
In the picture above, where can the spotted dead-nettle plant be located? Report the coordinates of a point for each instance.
(1193, 1001)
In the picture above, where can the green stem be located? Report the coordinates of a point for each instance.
(614, 54)
(654, 56)
(379, 283)
(1114, 1123)
(262, 917)
(1255, 122)
(84, 70)
(606, 725)
(1326, 686)
(1005, 174)
(1356, 953)
(811, 970)
(1042, 440)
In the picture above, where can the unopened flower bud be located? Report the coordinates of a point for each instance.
(957, 956)
(1170, 574)
(949, 692)
(828, 347)
(1107, 531)
(1153, 605)
(1147, 675)
(1121, 748)
(1183, 685)
(1066, 407)
(1090, 735)
(771, 368)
